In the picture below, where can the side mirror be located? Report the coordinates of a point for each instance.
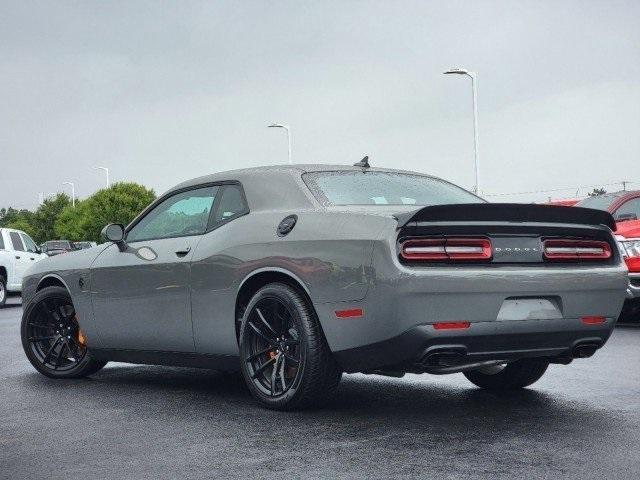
(114, 232)
(625, 217)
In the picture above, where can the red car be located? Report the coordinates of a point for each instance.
(625, 208)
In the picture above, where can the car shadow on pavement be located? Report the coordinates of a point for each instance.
(388, 402)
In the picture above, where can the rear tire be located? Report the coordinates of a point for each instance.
(51, 339)
(513, 376)
(280, 332)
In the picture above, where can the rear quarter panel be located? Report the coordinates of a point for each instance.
(328, 253)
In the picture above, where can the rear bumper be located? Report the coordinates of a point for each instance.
(482, 341)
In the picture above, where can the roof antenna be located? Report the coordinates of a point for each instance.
(364, 163)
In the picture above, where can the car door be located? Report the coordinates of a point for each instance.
(141, 296)
(21, 258)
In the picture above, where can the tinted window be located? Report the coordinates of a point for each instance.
(229, 203)
(16, 241)
(1, 240)
(632, 206)
(384, 188)
(183, 214)
(599, 202)
(31, 246)
(58, 245)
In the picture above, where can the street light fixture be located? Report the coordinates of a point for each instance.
(73, 193)
(288, 129)
(106, 170)
(474, 88)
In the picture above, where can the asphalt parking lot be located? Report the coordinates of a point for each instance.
(580, 421)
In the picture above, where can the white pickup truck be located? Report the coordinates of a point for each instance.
(17, 252)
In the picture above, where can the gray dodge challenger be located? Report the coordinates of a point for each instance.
(295, 274)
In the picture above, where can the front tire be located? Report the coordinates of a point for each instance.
(52, 339)
(3, 291)
(285, 359)
(512, 376)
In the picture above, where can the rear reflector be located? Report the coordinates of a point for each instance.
(351, 313)
(593, 320)
(446, 249)
(562, 250)
(451, 325)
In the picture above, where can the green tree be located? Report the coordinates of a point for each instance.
(18, 219)
(44, 218)
(118, 204)
(597, 192)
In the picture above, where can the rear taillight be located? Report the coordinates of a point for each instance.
(446, 249)
(567, 250)
(631, 252)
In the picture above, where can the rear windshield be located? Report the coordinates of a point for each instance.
(599, 202)
(384, 188)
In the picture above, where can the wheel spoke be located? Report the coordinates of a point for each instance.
(250, 358)
(265, 322)
(39, 339)
(284, 384)
(270, 341)
(59, 356)
(291, 358)
(262, 367)
(274, 374)
(53, 346)
(291, 342)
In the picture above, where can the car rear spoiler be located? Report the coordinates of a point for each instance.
(508, 212)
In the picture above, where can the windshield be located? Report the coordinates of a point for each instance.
(384, 188)
(599, 202)
(54, 245)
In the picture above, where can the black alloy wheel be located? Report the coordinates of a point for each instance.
(285, 359)
(52, 339)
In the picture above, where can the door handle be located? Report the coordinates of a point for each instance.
(18, 257)
(183, 252)
(32, 258)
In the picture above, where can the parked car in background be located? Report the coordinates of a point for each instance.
(295, 274)
(56, 247)
(17, 253)
(569, 202)
(625, 208)
(84, 245)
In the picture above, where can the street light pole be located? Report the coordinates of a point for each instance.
(106, 170)
(474, 88)
(73, 193)
(288, 129)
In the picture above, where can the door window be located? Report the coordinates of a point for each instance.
(632, 206)
(16, 241)
(180, 215)
(30, 244)
(1, 241)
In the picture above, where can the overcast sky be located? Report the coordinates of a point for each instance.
(160, 92)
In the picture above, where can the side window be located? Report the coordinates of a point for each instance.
(632, 206)
(1, 240)
(16, 241)
(30, 244)
(180, 215)
(229, 203)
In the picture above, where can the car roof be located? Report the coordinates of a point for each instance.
(276, 187)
